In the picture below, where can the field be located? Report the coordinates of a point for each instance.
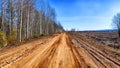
(108, 42)
(108, 38)
(65, 50)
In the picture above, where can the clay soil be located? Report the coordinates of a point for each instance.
(64, 50)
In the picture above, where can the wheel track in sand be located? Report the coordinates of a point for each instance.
(58, 52)
(102, 58)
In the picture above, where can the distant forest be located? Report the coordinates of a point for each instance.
(20, 20)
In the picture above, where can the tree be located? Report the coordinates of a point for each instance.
(3, 14)
(116, 22)
(22, 20)
(10, 15)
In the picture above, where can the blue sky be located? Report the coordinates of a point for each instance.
(86, 14)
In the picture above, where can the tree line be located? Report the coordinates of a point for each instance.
(22, 19)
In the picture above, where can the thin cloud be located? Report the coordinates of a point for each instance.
(77, 18)
(82, 12)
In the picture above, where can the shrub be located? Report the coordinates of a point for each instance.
(3, 40)
(35, 36)
(12, 37)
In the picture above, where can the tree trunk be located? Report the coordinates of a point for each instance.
(28, 23)
(21, 12)
(40, 24)
(3, 15)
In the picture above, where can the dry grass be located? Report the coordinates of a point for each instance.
(108, 42)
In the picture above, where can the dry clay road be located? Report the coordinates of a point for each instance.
(56, 52)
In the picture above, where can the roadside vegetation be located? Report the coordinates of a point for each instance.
(21, 20)
(3, 39)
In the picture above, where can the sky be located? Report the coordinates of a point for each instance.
(86, 14)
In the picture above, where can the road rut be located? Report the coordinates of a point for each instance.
(56, 52)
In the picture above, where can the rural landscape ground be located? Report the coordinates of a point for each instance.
(59, 34)
(64, 50)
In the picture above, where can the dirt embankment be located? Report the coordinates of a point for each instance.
(61, 51)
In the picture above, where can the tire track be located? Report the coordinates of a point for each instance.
(38, 56)
(106, 61)
(61, 51)
(16, 54)
(9, 58)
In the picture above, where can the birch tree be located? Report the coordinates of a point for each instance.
(3, 15)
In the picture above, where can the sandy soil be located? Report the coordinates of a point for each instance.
(61, 51)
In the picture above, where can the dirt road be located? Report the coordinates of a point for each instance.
(60, 51)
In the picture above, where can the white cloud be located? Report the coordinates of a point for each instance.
(75, 18)
(99, 14)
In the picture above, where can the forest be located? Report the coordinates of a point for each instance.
(21, 20)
